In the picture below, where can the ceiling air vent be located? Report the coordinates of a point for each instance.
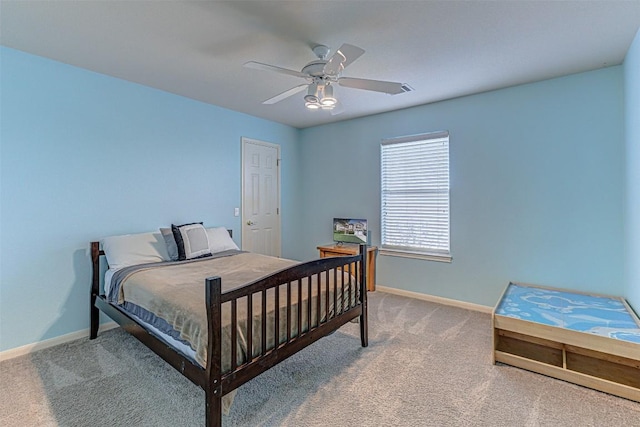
(406, 88)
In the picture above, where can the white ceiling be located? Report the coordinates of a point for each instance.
(443, 49)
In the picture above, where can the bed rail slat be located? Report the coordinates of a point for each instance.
(309, 303)
(299, 306)
(326, 296)
(349, 301)
(342, 290)
(335, 292)
(288, 311)
(318, 299)
(276, 325)
(249, 327)
(356, 292)
(234, 334)
(263, 323)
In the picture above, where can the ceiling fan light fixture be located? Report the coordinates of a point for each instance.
(312, 94)
(312, 105)
(328, 100)
(311, 99)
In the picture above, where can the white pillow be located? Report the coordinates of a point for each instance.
(170, 240)
(134, 249)
(219, 240)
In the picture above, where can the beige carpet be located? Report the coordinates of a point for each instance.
(427, 365)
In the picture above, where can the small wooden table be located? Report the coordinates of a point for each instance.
(353, 249)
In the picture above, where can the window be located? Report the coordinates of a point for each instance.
(415, 196)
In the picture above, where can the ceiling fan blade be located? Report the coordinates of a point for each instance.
(286, 94)
(391, 88)
(267, 67)
(342, 58)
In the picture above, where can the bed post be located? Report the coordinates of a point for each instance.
(94, 313)
(212, 388)
(364, 327)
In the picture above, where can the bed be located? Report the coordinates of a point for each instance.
(590, 340)
(225, 317)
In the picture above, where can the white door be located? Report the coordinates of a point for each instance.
(260, 197)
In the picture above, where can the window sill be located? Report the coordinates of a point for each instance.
(416, 255)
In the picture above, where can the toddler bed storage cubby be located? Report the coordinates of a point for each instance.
(590, 340)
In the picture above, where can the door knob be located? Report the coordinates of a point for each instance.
(250, 222)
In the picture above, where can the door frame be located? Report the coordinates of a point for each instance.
(246, 140)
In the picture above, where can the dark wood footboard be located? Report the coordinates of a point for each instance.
(331, 312)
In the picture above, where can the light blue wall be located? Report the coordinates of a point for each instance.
(83, 156)
(632, 135)
(536, 175)
(536, 187)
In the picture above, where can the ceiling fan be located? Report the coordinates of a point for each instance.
(324, 73)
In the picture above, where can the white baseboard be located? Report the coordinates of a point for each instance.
(41, 345)
(438, 300)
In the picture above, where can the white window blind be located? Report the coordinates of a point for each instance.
(415, 195)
